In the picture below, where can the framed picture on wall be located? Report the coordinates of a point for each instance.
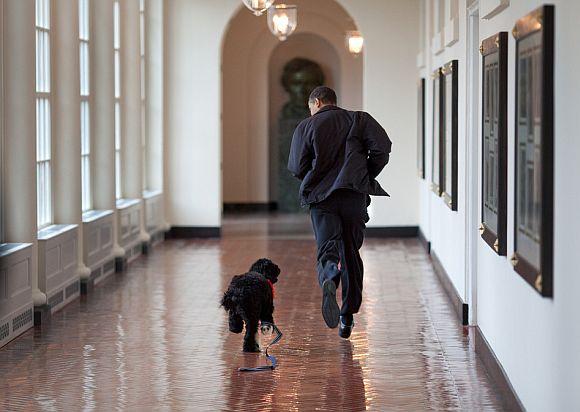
(534, 149)
(493, 227)
(436, 146)
(421, 128)
(449, 130)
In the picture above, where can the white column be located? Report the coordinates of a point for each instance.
(20, 130)
(66, 121)
(103, 110)
(154, 92)
(131, 99)
(131, 105)
(155, 95)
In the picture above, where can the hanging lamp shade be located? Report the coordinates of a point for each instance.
(282, 20)
(258, 6)
(354, 42)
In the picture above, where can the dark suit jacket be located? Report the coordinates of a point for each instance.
(338, 149)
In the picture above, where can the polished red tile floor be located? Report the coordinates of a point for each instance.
(154, 338)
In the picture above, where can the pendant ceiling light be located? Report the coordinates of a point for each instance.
(354, 42)
(282, 20)
(258, 6)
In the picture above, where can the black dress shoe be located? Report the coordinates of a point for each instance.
(330, 309)
(345, 328)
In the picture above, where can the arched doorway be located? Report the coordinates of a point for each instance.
(251, 57)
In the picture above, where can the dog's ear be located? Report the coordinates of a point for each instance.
(267, 268)
(272, 272)
(259, 265)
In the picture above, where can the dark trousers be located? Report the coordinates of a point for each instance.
(339, 222)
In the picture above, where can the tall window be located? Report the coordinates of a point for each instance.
(43, 118)
(87, 200)
(118, 139)
(2, 164)
(143, 95)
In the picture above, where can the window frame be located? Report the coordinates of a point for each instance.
(118, 73)
(143, 87)
(2, 163)
(85, 101)
(43, 93)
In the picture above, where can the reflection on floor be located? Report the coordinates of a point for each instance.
(154, 337)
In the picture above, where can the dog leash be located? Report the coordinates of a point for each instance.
(271, 358)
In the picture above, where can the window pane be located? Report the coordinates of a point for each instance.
(42, 61)
(142, 78)
(116, 26)
(44, 212)
(86, 183)
(42, 13)
(117, 74)
(142, 33)
(118, 189)
(85, 128)
(84, 68)
(117, 126)
(83, 19)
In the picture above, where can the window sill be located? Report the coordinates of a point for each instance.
(53, 231)
(8, 249)
(149, 194)
(94, 215)
(127, 203)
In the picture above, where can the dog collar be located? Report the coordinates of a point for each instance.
(272, 288)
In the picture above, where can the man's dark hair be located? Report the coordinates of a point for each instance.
(325, 94)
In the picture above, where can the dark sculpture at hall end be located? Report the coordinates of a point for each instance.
(299, 78)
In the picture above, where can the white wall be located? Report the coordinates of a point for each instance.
(447, 228)
(389, 94)
(536, 339)
(194, 30)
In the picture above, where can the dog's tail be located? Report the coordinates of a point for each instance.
(228, 301)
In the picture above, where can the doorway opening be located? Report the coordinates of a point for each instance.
(253, 96)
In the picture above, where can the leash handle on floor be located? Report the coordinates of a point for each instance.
(272, 359)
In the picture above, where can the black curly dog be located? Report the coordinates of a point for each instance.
(250, 299)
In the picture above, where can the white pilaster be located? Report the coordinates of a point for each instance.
(103, 110)
(20, 130)
(131, 99)
(66, 121)
(154, 16)
(131, 106)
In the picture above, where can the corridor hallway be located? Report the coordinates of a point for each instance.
(154, 337)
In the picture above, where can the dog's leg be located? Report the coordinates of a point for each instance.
(250, 338)
(235, 322)
(267, 316)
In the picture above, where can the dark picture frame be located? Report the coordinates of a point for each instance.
(421, 128)
(436, 147)
(534, 150)
(493, 228)
(449, 133)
